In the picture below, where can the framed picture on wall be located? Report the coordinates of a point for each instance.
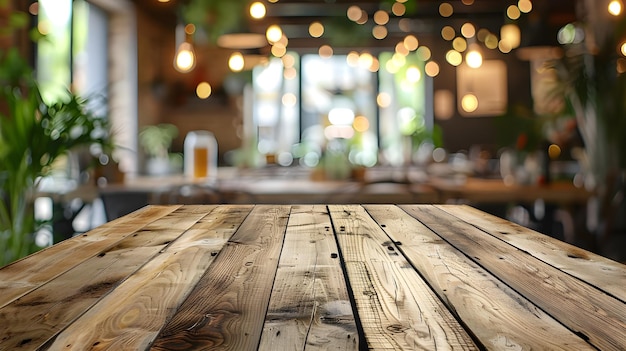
(482, 91)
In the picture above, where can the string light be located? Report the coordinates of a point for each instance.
(468, 30)
(474, 58)
(469, 103)
(446, 10)
(274, 33)
(257, 10)
(185, 59)
(236, 62)
(316, 29)
(615, 7)
(203, 90)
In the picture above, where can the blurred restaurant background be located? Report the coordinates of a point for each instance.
(515, 107)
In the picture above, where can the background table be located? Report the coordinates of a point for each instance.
(295, 277)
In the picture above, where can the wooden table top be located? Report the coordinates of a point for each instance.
(314, 277)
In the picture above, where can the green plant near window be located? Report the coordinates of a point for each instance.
(156, 140)
(33, 135)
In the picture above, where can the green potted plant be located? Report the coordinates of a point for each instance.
(156, 141)
(33, 135)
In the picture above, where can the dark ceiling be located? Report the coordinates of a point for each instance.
(294, 17)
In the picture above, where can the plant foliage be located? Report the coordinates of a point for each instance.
(33, 135)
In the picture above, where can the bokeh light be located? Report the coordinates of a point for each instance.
(554, 151)
(361, 124)
(525, 6)
(411, 42)
(354, 13)
(274, 33)
(474, 58)
(325, 51)
(289, 100)
(383, 100)
(513, 12)
(398, 9)
(236, 62)
(379, 32)
(413, 74)
(316, 29)
(468, 30)
(615, 7)
(459, 44)
(454, 57)
(448, 33)
(352, 59)
(203, 90)
(446, 10)
(469, 103)
(431, 69)
(423, 53)
(257, 10)
(381, 17)
(365, 60)
(401, 49)
(491, 41)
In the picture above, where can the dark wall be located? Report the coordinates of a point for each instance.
(460, 132)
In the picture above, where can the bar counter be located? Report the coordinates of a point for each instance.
(312, 277)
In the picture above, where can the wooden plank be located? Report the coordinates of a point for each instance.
(309, 306)
(25, 275)
(396, 308)
(130, 317)
(499, 317)
(226, 309)
(596, 316)
(36, 317)
(603, 273)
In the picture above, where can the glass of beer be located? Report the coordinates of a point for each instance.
(200, 151)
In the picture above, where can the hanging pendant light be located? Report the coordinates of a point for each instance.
(185, 57)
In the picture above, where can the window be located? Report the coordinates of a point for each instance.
(91, 47)
(275, 108)
(74, 53)
(337, 104)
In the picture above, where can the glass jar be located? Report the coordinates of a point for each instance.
(200, 150)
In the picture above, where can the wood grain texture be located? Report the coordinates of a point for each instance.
(309, 306)
(25, 275)
(226, 310)
(603, 273)
(593, 314)
(130, 317)
(35, 317)
(396, 308)
(499, 317)
(312, 277)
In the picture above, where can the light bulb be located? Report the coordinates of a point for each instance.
(257, 10)
(474, 59)
(203, 90)
(413, 74)
(236, 62)
(185, 59)
(511, 34)
(615, 7)
(469, 103)
(273, 33)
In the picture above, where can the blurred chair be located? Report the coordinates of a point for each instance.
(120, 202)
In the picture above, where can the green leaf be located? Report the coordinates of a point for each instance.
(18, 19)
